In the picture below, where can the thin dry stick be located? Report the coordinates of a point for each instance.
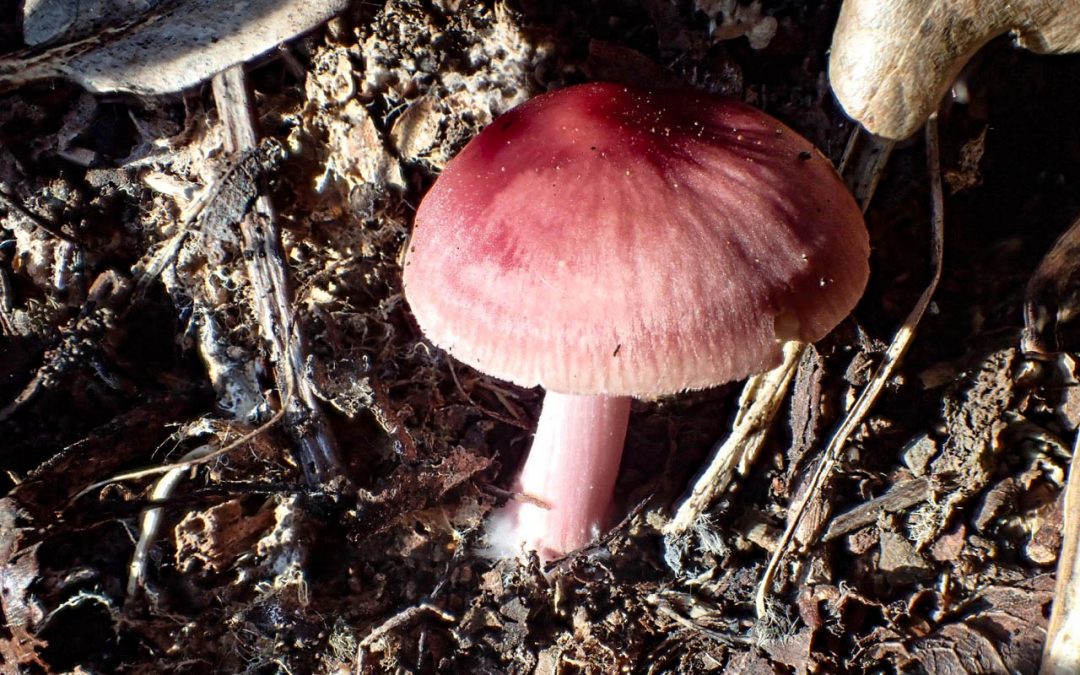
(1061, 652)
(183, 464)
(150, 522)
(304, 418)
(861, 167)
(760, 399)
(405, 616)
(893, 355)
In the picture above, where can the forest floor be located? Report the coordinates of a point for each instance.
(252, 567)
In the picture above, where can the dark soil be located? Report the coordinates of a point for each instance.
(254, 569)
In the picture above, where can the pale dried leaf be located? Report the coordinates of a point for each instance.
(172, 48)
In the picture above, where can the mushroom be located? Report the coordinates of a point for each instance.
(608, 243)
(891, 62)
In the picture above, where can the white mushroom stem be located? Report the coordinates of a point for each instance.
(892, 62)
(567, 483)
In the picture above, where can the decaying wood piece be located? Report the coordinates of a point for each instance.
(304, 418)
(367, 644)
(176, 45)
(900, 497)
(892, 62)
(233, 194)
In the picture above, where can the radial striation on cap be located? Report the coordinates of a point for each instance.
(603, 239)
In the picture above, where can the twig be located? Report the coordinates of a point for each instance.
(151, 265)
(405, 616)
(760, 400)
(150, 522)
(499, 394)
(864, 160)
(183, 464)
(304, 418)
(599, 542)
(893, 355)
(900, 497)
(667, 608)
(6, 305)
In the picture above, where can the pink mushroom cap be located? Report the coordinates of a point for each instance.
(604, 239)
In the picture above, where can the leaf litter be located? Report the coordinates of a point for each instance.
(947, 506)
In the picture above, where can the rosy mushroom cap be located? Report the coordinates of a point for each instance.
(604, 239)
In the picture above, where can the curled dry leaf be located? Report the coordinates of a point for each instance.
(893, 61)
(172, 47)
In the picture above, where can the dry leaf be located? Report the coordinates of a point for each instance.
(893, 61)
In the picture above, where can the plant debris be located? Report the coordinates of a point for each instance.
(142, 247)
